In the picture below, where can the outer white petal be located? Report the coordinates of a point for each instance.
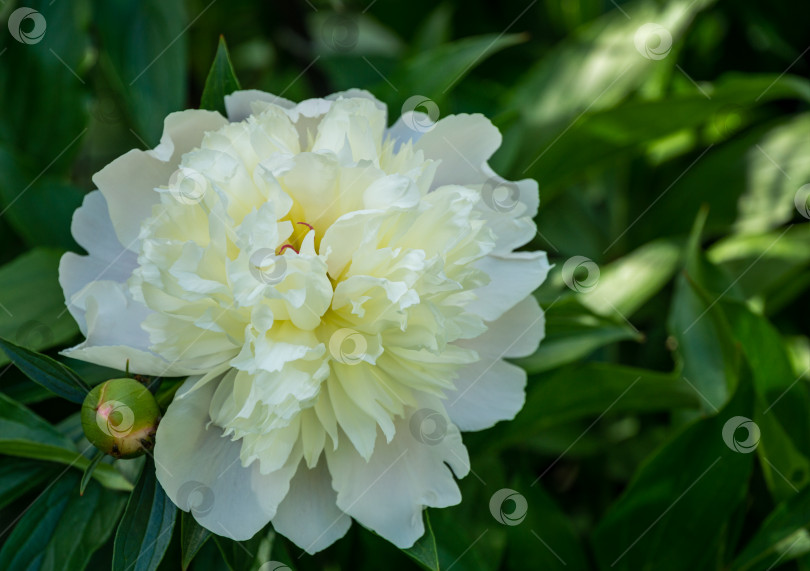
(107, 259)
(512, 278)
(114, 333)
(201, 472)
(128, 182)
(308, 516)
(463, 143)
(388, 493)
(486, 393)
(238, 104)
(492, 390)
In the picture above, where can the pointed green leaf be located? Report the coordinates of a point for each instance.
(424, 550)
(43, 370)
(192, 537)
(221, 80)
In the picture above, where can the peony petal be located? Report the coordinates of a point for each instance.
(388, 493)
(128, 182)
(238, 104)
(512, 278)
(486, 392)
(516, 333)
(308, 516)
(114, 333)
(201, 471)
(464, 143)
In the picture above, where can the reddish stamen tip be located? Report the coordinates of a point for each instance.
(284, 247)
(307, 225)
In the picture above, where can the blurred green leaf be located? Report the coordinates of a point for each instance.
(221, 80)
(779, 534)
(61, 529)
(629, 282)
(432, 74)
(43, 128)
(19, 476)
(32, 306)
(26, 435)
(573, 332)
(592, 389)
(43, 370)
(146, 528)
(545, 537)
(145, 60)
(663, 519)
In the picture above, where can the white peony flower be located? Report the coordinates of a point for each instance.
(341, 296)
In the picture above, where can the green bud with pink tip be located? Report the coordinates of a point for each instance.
(120, 418)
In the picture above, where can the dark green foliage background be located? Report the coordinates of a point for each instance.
(675, 175)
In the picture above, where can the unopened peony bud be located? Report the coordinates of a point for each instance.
(120, 418)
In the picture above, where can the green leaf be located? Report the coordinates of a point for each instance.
(61, 529)
(546, 537)
(45, 129)
(18, 476)
(221, 80)
(594, 389)
(145, 60)
(424, 550)
(782, 529)
(663, 519)
(43, 370)
(146, 528)
(88, 472)
(192, 537)
(434, 73)
(574, 332)
(34, 316)
(600, 65)
(240, 555)
(26, 435)
(629, 282)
